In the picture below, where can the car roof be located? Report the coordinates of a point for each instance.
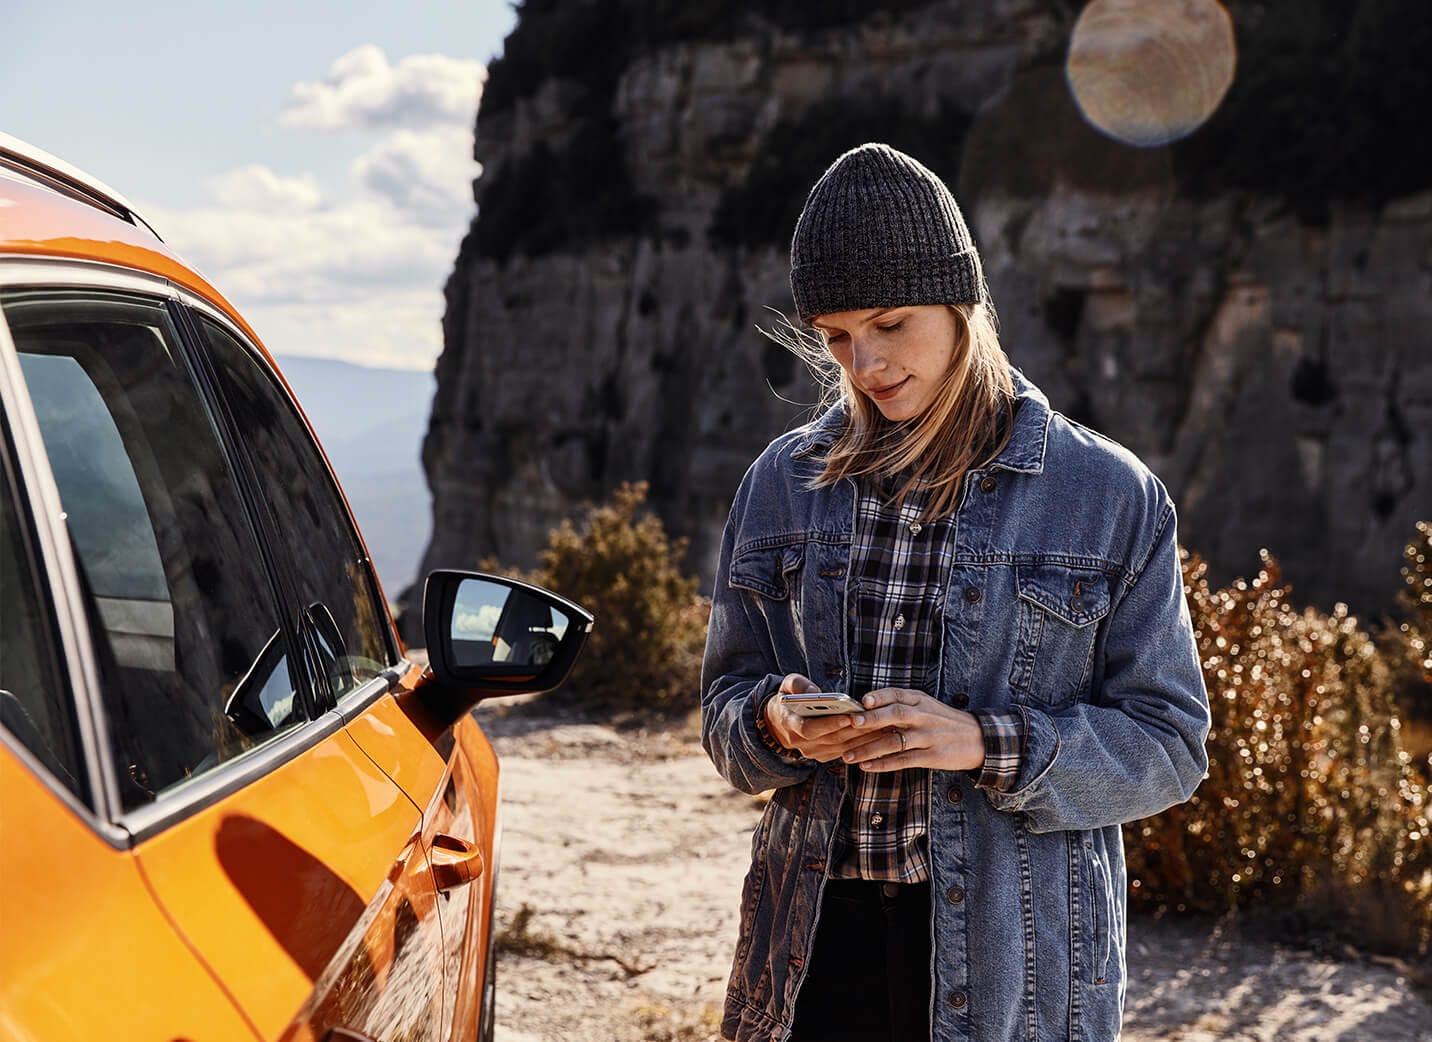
(51, 209)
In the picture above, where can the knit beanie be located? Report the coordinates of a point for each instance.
(880, 230)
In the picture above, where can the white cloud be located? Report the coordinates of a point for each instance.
(362, 90)
(360, 281)
(426, 173)
(257, 187)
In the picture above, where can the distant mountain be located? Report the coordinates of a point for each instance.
(371, 423)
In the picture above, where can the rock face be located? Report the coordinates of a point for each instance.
(1274, 370)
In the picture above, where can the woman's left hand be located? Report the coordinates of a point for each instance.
(911, 729)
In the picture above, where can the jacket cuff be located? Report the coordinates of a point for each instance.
(1005, 736)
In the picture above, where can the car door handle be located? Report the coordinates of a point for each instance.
(456, 862)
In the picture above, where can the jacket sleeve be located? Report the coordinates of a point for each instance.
(739, 673)
(1137, 746)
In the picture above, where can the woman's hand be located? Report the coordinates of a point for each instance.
(904, 728)
(821, 738)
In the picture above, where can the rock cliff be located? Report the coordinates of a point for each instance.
(1252, 323)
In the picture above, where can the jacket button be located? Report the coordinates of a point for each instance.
(961, 700)
(954, 795)
(988, 484)
(957, 999)
(955, 894)
(972, 594)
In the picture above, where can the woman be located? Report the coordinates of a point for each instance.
(1000, 587)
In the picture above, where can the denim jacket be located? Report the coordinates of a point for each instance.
(1065, 604)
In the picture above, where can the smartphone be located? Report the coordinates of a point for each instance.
(821, 703)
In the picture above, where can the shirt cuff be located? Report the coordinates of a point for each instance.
(1005, 734)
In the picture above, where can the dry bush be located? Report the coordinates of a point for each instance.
(1408, 642)
(1311, 806)
(645, 649)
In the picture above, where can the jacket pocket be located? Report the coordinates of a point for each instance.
(1059, 610)
(1099, 898)
(754, 884)
(771, 571)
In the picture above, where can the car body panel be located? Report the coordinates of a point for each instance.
(82, 935)
(454, 772)
(268, 884)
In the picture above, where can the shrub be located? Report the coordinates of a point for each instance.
(645, 649)
(1311, 806)
(1408, 643)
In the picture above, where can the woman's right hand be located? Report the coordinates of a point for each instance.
(817, 737)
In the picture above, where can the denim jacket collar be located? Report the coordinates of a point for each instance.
(1024, 452)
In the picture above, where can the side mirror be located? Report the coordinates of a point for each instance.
(491, 635)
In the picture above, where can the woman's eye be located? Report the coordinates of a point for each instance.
(834, 338)
(892, 328)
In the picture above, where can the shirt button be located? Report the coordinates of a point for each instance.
(961, 700)
(988, 484)
(915, 528)
(957, 999)
(973, 594)
(955, 894)
(900, 621)
(954, 795)
(877, 820)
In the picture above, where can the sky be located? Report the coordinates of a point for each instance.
(312, 158)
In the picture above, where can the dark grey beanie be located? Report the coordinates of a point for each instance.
(880, 230)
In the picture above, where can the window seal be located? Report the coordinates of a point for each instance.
(356, 702)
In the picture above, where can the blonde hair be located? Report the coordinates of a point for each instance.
(959, 430)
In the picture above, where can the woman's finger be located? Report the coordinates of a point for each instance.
(894, 762)
(886, 696)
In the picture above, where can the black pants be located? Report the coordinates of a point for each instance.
(869, 975)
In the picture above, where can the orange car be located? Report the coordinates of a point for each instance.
(231, 807)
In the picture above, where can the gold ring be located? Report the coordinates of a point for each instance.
(900, 735)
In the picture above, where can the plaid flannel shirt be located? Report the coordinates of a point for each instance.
(899, 571)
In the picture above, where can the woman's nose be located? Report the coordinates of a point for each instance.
(865, 358)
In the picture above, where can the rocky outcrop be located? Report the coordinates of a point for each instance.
(1274, 369)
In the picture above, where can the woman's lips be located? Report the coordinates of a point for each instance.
(884, 394)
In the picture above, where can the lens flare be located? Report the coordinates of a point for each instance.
(1148, 72)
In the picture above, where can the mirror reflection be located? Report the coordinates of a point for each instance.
(493, 623)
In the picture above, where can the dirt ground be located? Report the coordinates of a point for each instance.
(621, 867)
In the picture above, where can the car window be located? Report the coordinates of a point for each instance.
(345, 623)
(35, 704)
(186, 632)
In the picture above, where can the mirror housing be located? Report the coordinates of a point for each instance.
(489, 635)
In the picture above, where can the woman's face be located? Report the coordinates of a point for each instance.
(896, 357)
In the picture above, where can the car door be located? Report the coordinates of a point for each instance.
(287, 861)
(448, 773)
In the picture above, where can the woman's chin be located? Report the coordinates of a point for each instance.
(896, 411)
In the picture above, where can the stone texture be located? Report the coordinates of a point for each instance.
(1278, 377)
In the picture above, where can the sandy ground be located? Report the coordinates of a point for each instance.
(622, 861)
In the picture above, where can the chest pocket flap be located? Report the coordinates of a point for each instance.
(1079, 596)
(1058, 607)
(767, 570)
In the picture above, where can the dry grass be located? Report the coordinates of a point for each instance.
(656, 1022)
(519, 938)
